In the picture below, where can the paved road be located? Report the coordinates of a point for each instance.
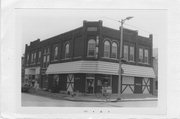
(33, 100)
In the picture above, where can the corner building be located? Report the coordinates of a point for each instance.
(85, 58)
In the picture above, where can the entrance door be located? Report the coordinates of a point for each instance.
(90, 86)
(138, 85)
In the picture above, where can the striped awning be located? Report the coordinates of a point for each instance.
(100, 67)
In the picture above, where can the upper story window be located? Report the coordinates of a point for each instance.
(47, 60)
(44, 59)
(131, 58)
(67, 54)
(44, 51)
(32, 56)
(114, 50)
(140, 55)
(39, 56)
(106, 49)
(46, 56)
(146, 56)
(91, 47)
(48, 51)
(56, 53)
(34, 60)
(27, 60)
(126, 52)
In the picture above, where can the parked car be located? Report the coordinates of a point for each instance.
(25, 87)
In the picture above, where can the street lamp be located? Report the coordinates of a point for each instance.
(120, 57)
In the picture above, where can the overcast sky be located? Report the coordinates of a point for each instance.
(45, 23)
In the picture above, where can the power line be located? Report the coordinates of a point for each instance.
(137, 28)
(128, 24)
(111, 19)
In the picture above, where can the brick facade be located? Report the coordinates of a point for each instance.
(77, 42)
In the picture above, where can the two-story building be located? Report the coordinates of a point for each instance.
(85, 58)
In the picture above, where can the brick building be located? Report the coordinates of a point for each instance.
(88, 57)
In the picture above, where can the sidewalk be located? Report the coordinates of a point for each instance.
(93, 98)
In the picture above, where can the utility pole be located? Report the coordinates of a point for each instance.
(120, 56)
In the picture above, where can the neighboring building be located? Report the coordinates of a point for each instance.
(155, 67)
(22, 70)
(85, 58)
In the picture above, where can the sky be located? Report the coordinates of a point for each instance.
(32, 24)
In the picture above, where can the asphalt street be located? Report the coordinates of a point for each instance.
(39, 101)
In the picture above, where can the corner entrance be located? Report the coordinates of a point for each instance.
(90, 79)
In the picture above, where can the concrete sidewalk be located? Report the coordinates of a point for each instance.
(93, 98)
(124, 97)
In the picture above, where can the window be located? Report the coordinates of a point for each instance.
(27, 61)
(34, 60)
(44, 51)
(39, 56)
(44, 59)
(146, 56)
(48, 51)
(125, 52)
(56, 53)
(47, 59)
(131, 58)
(106, 49)
(140, 55)
(32, 57)
(46, 56)
(114, 50)
(91, 47)
(67, 50)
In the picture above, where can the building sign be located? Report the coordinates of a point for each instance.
(91, 28)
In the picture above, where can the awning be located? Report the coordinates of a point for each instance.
(32, 70)
(100, 67)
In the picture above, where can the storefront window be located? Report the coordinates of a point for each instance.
(104, 80)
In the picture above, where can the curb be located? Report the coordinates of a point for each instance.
(63, 97)
(111, 100)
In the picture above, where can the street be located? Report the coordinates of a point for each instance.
(34, 100)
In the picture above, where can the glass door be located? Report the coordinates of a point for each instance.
(90, 79)
(90, 86)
